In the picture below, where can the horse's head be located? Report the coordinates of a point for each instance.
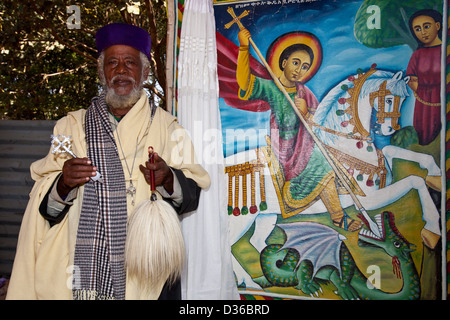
(361, 105)
(386, 102)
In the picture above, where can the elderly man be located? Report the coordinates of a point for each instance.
(72, 240)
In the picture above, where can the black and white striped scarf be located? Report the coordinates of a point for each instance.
(99, 268)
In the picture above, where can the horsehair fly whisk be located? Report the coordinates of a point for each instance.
(155, 249)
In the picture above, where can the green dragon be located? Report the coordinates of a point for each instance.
(300, 264)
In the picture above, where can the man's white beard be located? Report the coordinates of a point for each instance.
(116, 101)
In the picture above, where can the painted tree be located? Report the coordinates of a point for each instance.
(384, 23)
(48, 55)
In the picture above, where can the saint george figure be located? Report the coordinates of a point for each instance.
(308, 175)
(73, 235)
(424, 68)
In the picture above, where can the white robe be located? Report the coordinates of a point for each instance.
(43, 266)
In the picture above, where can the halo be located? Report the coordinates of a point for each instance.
(291, 38)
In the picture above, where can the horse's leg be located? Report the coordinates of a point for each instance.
(239, 225)
(242, 276)
(393, 192)
(264, 225)
(425, 161)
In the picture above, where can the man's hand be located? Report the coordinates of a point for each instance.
(162, 172)
(75, 172)
(243, 37)
(300, 103)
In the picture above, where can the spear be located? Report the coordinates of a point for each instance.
(372, 225)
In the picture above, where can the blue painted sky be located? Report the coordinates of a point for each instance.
(332, 23)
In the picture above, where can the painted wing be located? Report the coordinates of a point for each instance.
(315, 242)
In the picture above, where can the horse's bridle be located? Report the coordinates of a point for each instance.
(381, 113)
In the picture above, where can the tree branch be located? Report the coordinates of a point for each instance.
(123, 13)
(48, 75)
(56, 35)
(157, 55)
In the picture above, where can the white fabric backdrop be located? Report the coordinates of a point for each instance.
(209, 273)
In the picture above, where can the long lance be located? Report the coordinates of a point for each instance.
(372, 225)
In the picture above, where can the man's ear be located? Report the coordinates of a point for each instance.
(438, 25)
(99, 69)
(101, 74)
(146, 72)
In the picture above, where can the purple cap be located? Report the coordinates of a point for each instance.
(123, 34)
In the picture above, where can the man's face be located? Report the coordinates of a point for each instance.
(296, 65)
(426, 29)
(122, 68)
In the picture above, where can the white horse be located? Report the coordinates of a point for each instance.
(348, 121)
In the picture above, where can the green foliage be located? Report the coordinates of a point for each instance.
(48, 69)
(393, 27)
(405, 137)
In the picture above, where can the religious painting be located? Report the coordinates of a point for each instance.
(333, 123)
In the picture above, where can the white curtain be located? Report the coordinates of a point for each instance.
(209, 272)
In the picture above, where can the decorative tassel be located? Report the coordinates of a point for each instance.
(242, 170)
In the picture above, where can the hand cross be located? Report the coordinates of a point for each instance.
(236, 19)
(65, 146)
